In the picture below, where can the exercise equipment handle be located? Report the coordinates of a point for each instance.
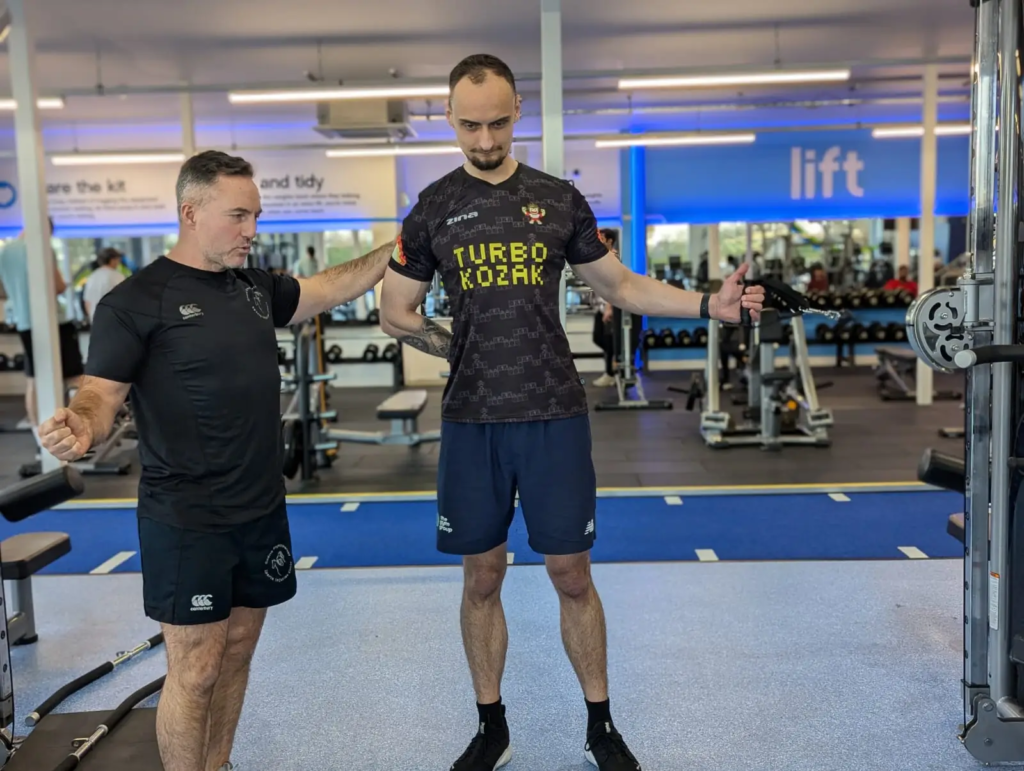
(990, 354)
(941, 470)
(88, 678)
(22, 500)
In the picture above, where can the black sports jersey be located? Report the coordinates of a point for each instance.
(501, 250)
(200, 351)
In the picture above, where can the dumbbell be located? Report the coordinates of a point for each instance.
(650, 339)
(872, 298)
(668, 338)
(334, 354)
(19, 362)
(821, 333)
(855, 298)
(390, 352)
(897, 333)
(684, 339)
(861, 333)
(889, 299)
(877, 332)
(371, 352)
(282, 357)
(700, 337)
(904, 299)
(837, 301)
(4, 363)
(373, 317)
(845, 334)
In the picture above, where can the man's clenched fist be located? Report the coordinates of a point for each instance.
(66, 435)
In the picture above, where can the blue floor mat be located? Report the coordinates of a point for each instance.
(740, 527)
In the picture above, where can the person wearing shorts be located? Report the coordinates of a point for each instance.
(192, 338)
(515, 417)
(14, 275)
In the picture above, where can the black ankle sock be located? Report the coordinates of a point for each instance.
(492, 714)
(598, 712)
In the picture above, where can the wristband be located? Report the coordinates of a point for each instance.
(705, 313)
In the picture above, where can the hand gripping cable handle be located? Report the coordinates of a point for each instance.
(786, 300)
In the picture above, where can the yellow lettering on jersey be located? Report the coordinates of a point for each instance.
(535, 275)
(466, 274)
(540, 252)
(458, 255)
(497, 253)
(502, 271)
(520, 275)
(484, 276)
(478, 255)
(518, 251)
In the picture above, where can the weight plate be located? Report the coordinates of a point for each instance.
(935, 327)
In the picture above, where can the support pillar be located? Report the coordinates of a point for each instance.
(714, 253)
(902, 250)
(188, 126)
(552, 130)
(49, 380)
(926, 236)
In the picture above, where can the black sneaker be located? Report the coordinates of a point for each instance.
(488, 751)
(607, 750)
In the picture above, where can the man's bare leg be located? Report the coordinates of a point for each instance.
(583, 626)
(194, 656)
(484, 633)
(244, 629)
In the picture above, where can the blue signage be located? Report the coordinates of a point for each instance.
(784, 176)
(8, 195)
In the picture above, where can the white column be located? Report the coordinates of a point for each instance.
(188, 125)
(31, 175)
(926, 236)
(714, 253)
(552, 139)
(902, 243)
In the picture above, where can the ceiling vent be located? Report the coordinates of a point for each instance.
(359, 119)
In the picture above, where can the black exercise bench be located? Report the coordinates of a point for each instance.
(23, 556)
(403, 409)
(896, 371)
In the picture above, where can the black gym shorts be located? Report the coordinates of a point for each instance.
(70, 352)
(191, 577)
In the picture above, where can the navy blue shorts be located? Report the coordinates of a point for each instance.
(483, 465)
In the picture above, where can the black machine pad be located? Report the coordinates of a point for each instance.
(130, 747)
(26, 554)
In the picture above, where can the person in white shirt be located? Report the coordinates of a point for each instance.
(102, 280)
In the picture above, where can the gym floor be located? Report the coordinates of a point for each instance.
(872, 441)
(774, 628)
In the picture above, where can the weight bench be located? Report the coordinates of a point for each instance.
(403, 410)
(23, 556)
(896, 370)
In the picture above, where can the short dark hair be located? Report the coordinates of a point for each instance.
(476, 67)
(202, 171)
(108, 255)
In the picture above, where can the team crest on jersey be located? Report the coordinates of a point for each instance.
(398, 255)
(534, 214)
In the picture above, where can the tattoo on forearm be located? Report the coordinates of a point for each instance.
(432, 339)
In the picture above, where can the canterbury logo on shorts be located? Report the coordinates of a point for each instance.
(202, 602)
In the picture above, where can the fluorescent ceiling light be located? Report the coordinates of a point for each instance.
(739, 79)
(368, 152)
(901, 132)
(43, 103)
(89, 159)
(330, 94)
(693, 139)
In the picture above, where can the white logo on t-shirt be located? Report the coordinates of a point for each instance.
(259, 302)
(190, 311)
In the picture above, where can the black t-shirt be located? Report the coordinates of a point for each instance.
(200, 351)
(501, 250)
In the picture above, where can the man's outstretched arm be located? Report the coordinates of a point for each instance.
(400, 316)
(338, 285)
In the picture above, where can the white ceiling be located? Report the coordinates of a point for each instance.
(154, 43)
